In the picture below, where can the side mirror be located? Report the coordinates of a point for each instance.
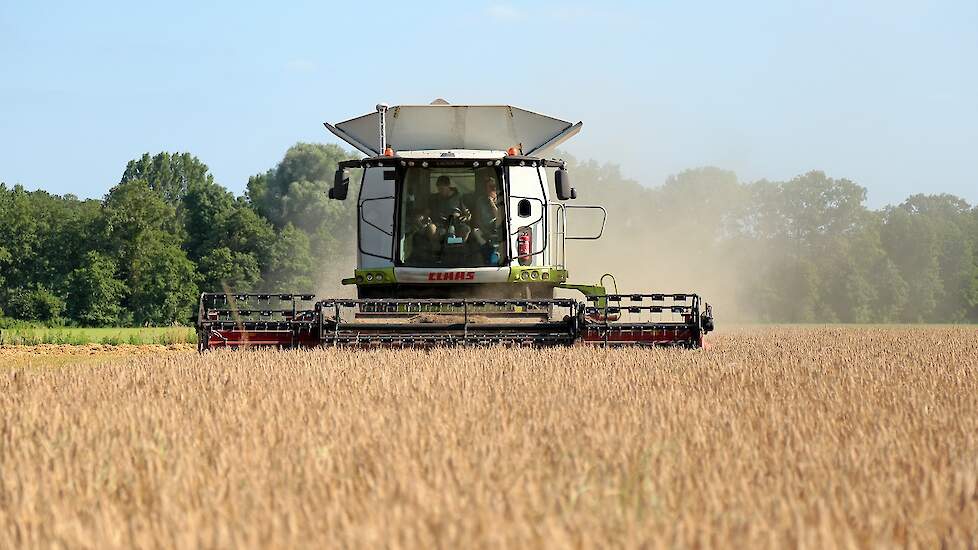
(341, 185)
(563, 185)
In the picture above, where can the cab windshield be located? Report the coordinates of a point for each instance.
(452, 217)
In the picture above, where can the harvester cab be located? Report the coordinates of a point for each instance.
(455, 202)
(460, 239)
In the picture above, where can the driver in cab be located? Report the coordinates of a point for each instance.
(448, 214)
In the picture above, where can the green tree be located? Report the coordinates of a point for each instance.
(949, 219)
(130, 211)
(4, 263)
(295, 190)
(295, 193)
(818, 235)
(228, 271)
(5, 257)
(911, 244)
(162, 282)
(95, 294)
(248, 232)
(35, 303)
(169, 174)
(973, 286)
(290, 265)
(207, 210)
(42, 238)
(21, 231)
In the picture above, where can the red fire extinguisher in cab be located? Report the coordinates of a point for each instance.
(524, 244)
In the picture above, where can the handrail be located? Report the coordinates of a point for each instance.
(561, 232)
(604, 219)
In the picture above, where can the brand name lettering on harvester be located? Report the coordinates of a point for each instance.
(451, 275)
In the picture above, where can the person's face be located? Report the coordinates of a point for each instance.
(444, 190)
(489, 187)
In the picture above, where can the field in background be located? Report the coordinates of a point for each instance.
(111, 336)
(771, 437)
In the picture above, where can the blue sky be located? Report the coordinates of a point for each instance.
(883, 93)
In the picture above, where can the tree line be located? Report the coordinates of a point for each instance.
(166, 231)
(804, 250)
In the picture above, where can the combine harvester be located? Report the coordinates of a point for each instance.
(460, 241)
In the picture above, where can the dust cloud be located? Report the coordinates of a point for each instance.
(668, 239)
(648, 262)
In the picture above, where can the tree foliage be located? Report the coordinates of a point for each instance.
(94, 293)
(803, 250)
(294, 193)
(224, 270)
(163, 282)
(169, 174)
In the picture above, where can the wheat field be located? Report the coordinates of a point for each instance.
(808, 437)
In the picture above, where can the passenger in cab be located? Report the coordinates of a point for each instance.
(487, 219)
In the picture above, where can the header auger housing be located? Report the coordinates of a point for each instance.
(460, 241)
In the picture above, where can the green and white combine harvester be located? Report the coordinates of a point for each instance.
(460, 240)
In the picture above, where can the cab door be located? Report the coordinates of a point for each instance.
(528, 216)
(375, 218)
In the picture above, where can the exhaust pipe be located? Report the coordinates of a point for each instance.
(382, 130)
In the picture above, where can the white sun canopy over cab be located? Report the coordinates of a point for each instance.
(441, 126)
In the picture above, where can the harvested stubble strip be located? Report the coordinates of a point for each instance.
(773, 437)
(42, 350)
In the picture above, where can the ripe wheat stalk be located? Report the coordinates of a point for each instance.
(808, 437)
